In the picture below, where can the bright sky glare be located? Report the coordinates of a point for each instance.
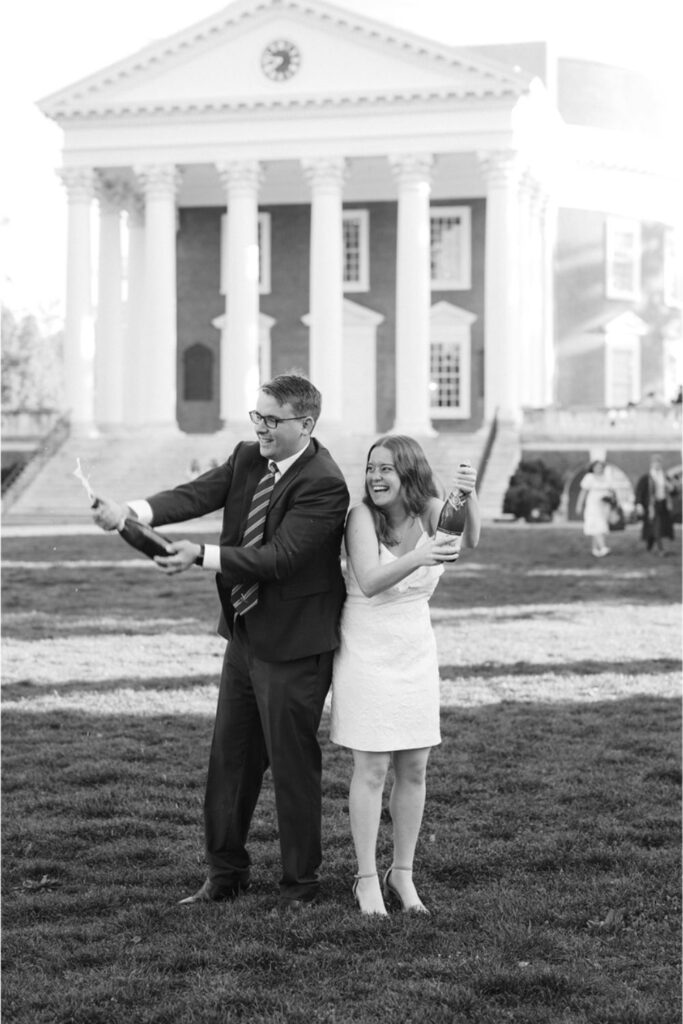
(46, 46)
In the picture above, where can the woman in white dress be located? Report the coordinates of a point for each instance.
(385, 690)
(593, 503)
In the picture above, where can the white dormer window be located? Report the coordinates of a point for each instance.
(355, 256)
(622, 259)
(451, 248)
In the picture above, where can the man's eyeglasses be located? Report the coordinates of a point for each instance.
(272, 422)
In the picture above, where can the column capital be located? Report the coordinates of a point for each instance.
(134, 205)
(325, 172)
(502, 167)
(412, 168)
(159, 181)
(111, 189)
(79, 183)
(240, 175)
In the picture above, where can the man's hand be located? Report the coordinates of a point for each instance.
(184, 554)
(465, 478)
(108, 514)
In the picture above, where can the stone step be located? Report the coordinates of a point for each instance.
(134, 464)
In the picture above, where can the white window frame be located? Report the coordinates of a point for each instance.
(452, 326)
(622, 245)
(463, 279)
(620, 340)
(363, 282)
(264, 258)
(672, 270)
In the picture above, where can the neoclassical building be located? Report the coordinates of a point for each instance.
(438, 236)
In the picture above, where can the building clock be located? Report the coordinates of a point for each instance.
(280, 60)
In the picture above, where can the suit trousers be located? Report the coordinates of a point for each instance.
(268, 715)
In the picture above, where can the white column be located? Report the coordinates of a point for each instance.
(413, 295)
(239, 364)
(501, 276)
(528, 293)
(133, 383)
(548, 227)
(537, 298)
(79, 341)
(326, 365)
(158, 352)
(109, 323)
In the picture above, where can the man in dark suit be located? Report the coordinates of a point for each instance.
(281, 592)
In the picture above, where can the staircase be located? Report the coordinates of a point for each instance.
(137, 463)
(502, 462)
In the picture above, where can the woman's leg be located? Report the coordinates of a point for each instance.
(365, 808)
(407, 805)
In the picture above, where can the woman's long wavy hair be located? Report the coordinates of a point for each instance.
(415, 475)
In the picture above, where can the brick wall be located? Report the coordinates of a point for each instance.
(199, 301)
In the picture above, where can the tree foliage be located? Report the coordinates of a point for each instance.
(32, 376)
(534, 491)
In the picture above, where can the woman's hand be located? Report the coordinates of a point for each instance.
(465, 478)
(437, 550)
(184, 554)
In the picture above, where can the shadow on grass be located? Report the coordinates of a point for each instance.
(643, 667)
(513, 565)
(582, 667)
(549, 857)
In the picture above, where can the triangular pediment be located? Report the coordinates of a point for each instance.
(446, 314)
(339, 57)
(626, 323)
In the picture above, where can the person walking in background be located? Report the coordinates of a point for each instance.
(653, 502)
(385, 691)
(281, 590)
(593, 503)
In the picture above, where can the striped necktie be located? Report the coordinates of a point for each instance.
(244, 596)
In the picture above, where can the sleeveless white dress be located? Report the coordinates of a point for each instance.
(385, 685)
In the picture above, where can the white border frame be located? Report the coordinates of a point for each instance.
(363, 217)
(464, 281)
(614, 226)
(622, 340)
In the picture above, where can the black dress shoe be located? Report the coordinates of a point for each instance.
(210, 893)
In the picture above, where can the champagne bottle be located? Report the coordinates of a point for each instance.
(451, 524)
(135, 533)
(141, 536)
(144, 538)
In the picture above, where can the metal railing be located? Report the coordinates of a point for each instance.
(488, 448)
(18, 479)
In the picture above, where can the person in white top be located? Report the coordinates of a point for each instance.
(594, 504)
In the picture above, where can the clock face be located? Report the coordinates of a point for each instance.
(280, 60)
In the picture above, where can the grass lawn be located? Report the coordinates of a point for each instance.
(549, 855)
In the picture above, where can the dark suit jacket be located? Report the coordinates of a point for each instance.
(298, 567)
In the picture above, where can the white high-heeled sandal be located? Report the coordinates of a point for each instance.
(391, 891)
(354, 890)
